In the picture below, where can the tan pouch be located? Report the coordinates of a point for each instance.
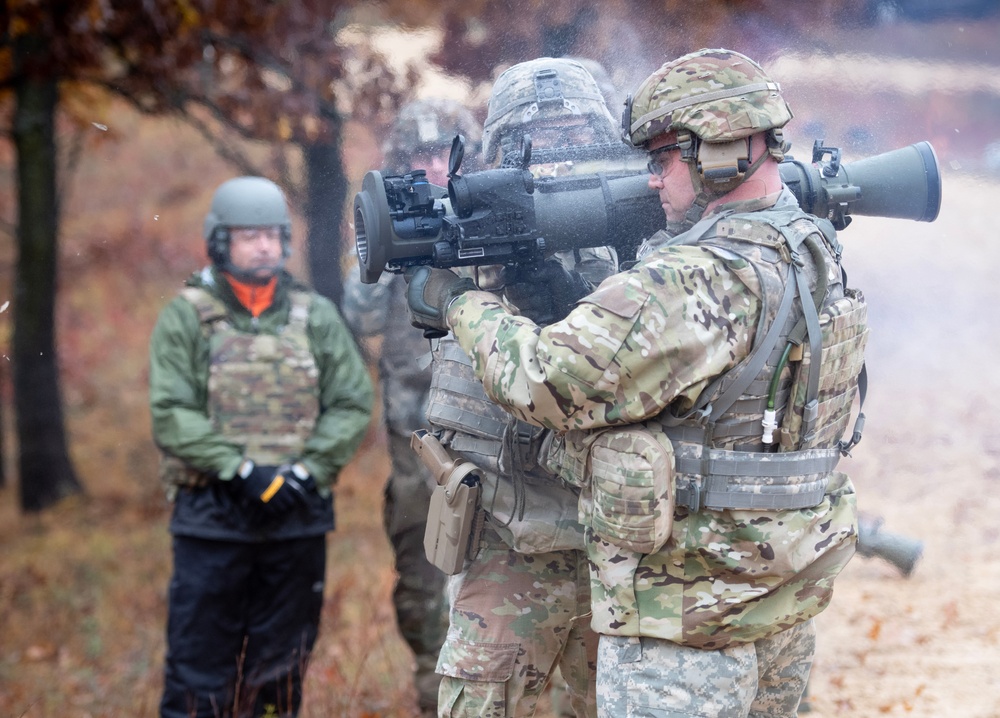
(631, 488)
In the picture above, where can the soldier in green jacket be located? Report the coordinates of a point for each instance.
(698, 400)
(259, 397)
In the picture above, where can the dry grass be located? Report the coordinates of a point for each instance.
(83, 607)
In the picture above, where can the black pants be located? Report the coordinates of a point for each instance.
(243, 618)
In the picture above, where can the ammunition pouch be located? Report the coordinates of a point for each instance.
(626, 477)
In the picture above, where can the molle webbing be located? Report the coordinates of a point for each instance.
(818, 417)
(457, 400)
(263, 389)
(482, 432)
(753, 480)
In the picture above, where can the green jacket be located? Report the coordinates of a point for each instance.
(178, 381)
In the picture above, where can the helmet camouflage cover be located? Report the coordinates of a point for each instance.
(718, 95)
(540, 89)
(429, 124)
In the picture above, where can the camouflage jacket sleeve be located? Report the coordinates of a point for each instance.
(345, 394)
(643, 339)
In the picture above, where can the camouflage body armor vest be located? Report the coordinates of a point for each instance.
(767, 434)
(476, 428)
(530, 508)
(263, 389)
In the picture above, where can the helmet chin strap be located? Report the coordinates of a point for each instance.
(704, 196)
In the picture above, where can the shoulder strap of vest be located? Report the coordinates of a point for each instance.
(209, 307)
(704, 408)
(859, 423)
(301, 302)
(751, 368)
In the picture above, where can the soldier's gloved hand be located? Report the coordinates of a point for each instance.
(298, 477)
(546, 294)
(429, 291)
(268, 488)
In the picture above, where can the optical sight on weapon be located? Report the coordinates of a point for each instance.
(507, 216)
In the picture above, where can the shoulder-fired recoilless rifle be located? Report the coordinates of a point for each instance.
(507, 216)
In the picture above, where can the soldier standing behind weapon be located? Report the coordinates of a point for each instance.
(421, 138)
(699, 401)
(519, 609)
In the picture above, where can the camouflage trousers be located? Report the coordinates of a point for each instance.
(514, 619)
(647, 677)
(419, 594)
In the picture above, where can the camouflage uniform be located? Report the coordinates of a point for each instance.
(703, 550)
(520, 609)
(379, 310)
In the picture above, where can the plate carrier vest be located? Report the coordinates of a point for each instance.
(263, 389)
(803, 371)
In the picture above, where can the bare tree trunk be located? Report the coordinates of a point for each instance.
(326, 190)
(3, 426)
(46, 472)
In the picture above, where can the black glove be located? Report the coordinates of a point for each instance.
(275, 489)
(298, 477)
(429, 291)
(546, 294)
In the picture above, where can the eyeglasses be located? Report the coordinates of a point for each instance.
(654, 166)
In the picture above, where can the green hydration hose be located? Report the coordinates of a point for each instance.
(798, 333)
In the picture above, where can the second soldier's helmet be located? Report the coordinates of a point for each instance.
(717, 95)
(429, 125)
(245, 202)
(539, 89)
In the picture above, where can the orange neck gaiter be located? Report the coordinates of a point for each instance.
(255, 297)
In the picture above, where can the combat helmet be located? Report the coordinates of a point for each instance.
(245, 202)
(715, 100)
(612, 97)
(718, 95)
(543, 88)
(429, 124)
